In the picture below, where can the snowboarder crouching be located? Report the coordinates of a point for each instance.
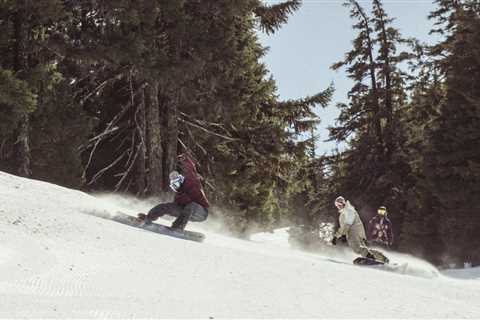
(380, 228)
(190, 203)
(352, 227)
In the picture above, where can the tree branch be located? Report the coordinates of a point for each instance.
(207, 131)
(101, 172)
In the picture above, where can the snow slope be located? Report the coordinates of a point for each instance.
(59, 259)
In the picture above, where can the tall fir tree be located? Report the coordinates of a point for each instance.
(451, 165)
(420, 228)
(375, 170)
(29, 65)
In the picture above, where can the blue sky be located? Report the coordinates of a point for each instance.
(316, 36)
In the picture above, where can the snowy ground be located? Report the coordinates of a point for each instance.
(59, 260)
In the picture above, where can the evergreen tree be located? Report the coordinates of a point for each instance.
(272, 17)
(452, 160)
(374, 169)
(139, 60)
(255, 170)
(26, 27)
(16, 98)
(155, 78)
(364, 109)
(169, 77)
(420, 228)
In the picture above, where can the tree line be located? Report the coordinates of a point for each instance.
(103, 95)
(411, 131)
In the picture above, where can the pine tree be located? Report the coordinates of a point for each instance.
(420, 228)
(452, 160)
(272, 17)
(360, 121)
(255, 171)
(26, 28)
(365, 109)
(375, 169)
(135, 57)
(16, 98)
(157, 78)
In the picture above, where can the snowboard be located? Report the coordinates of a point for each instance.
(394, 267)
(158, 228)
(367, 262)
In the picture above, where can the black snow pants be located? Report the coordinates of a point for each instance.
(190, 212)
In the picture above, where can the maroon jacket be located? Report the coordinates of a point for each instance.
(191, 189)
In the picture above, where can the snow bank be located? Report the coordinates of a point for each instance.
(278, 237)
(467, 273)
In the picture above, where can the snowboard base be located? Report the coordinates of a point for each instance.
(158, 228)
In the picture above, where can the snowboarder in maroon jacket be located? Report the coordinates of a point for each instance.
(380, 228)
(190, 203)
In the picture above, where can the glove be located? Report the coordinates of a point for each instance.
(334, 241)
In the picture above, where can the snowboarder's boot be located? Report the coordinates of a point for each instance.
(377, 256)
(144, 218)
(370, 256)
(181, 222)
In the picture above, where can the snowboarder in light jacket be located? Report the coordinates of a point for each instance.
(190, 203)
(380, 228)
(352, 227)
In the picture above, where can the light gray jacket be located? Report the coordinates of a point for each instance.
(350, 223)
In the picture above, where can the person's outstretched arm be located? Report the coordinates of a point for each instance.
(189, 169)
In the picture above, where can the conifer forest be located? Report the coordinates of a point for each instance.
(102, 96)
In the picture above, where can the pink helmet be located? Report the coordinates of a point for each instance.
(340, 200)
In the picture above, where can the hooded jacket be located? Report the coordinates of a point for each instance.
(191, 189)
(350, 223)
(352, 227)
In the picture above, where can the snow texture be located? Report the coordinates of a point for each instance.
(58, 259)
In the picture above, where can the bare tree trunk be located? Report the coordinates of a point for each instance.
(155, 181)
(141, 160)
(375, 102)
(171, 135)
(22, 148)
(19, 29)
(387, 70)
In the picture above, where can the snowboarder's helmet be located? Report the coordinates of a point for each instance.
(176, 180)
(340, 201)
(173, 175)
(382, 210)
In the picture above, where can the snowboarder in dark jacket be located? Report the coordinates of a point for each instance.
(190, 203)
(380, 228)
